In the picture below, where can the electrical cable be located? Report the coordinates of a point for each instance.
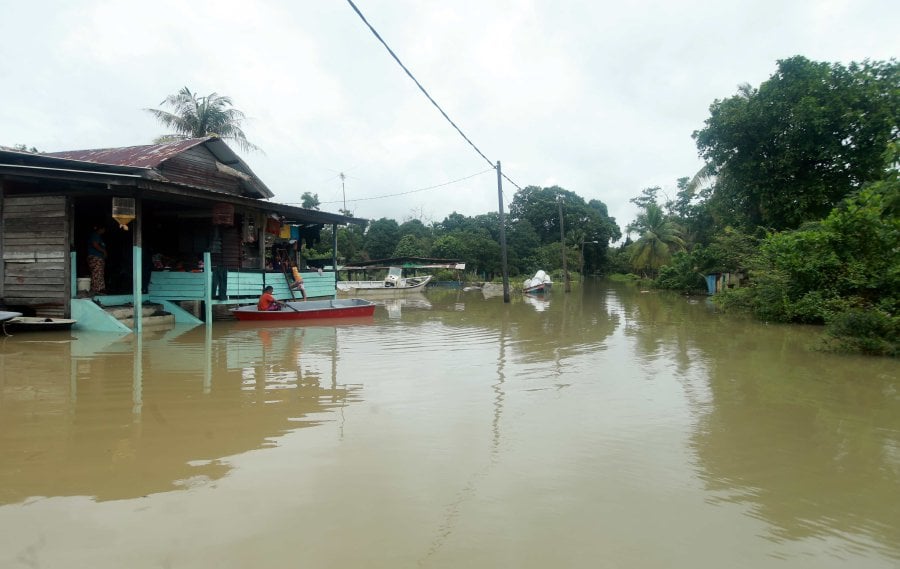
(421, 88)
(405, 193)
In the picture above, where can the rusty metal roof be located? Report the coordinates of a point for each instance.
(145, 156)
(152, 156)
(60, 166)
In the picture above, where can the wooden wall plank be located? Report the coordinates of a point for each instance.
(34, 271)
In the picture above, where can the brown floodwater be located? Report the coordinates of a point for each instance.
(607, 427)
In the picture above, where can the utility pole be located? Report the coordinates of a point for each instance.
(344, 193)
(562, 243)
(502, 235)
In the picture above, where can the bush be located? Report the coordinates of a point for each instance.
(681, 274)
(867, 331)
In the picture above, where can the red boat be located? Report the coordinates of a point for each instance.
(308, 310)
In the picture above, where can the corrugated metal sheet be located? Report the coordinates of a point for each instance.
(76, 163)
(146, 156)
(156, 155)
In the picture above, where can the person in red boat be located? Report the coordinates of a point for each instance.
(267, 300)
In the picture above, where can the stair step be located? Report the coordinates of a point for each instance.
(161, 321)
(124, 312)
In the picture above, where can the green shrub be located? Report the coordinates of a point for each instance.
(867, 331)
(681, 274)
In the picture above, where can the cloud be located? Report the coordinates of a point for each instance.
(600, 98)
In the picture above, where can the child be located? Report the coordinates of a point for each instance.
(298, 280)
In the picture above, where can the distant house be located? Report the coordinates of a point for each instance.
(718, 282)
(189, 199)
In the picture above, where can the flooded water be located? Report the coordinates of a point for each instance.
(602, 428)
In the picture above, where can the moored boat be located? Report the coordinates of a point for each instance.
(37, 323)
(394, 283)
(6, 316)
(308, 310)
(540, 283)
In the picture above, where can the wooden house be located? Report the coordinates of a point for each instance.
(192, 212)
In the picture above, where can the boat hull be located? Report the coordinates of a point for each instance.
(34, 324)
(538, 289)
(310, 310)
(6, 316)
(379, 288)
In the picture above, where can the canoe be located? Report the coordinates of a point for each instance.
(37, 323)
(309, 310)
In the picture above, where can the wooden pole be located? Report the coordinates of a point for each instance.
(502, 234)
(562, 243)
(137, 260)
(207, 288)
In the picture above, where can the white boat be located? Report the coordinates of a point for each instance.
(394, 283)
(35, 323)
(538, 284)
(5, 317)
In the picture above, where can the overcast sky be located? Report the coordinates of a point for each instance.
(598, 97)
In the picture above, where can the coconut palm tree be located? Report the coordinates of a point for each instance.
(660, 237)
(194, 116)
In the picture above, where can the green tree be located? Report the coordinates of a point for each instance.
(194, 116)
(411, 246)
(25, 148)
(540, 208)
(791, 150)
(659, 238)
(309, 200)
(448, 247)
(382, 237)
(522, 243)
(843, 271)
(350, 240)
(456, 222)
(415, 228)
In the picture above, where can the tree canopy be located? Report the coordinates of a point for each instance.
(195, 116)
(792, 149)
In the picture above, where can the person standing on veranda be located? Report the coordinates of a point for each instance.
(96, 258)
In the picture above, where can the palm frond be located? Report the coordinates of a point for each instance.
(195, 116)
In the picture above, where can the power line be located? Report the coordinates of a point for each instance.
(421, 88)
(408, 192)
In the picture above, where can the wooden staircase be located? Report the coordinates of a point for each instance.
(153, 316)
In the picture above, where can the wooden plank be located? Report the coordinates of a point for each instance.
(46, 213)
(19, 256)
(32, 252)
(33, 229)
(3, 206)
(36, 220)
(42, 246)
(34, 296)
(177, 285)
(53, 285)
(22, 276)
(25, 269)
(36, 200)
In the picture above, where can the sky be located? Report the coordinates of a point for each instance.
(600, 98)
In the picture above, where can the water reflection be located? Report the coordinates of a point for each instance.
(394, 306)
(539, 303)
(808, 440)
(120, 417)
(491, 434)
